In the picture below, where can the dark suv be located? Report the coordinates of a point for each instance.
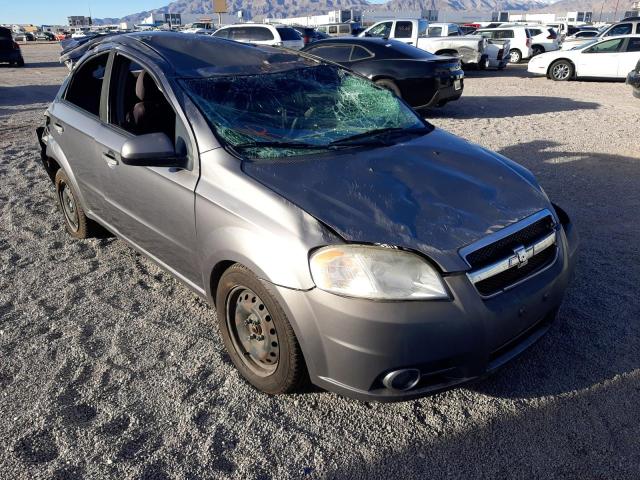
(9, 49)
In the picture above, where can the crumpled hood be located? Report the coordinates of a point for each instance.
(434, 194)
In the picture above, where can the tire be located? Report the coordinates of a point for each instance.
(246, 308)
(515, 55)
(537, 50)
(75, 221)
(389, 85)
(561, 71)
(21, 62)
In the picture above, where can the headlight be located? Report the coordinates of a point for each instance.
(376, 273)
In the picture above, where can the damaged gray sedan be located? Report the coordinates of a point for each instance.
(341, 238)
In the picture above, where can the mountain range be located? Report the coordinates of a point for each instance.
(259, 9)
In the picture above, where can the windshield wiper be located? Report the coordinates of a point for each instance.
(355, 139)
(267, 144)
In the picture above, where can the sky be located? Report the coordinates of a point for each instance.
(55, 12)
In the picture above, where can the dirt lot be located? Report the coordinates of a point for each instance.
(111, 369)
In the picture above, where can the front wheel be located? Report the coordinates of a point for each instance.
(515, 56)
(257, 333)
(561, 71)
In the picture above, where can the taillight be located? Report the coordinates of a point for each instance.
(16, 46)
(306, 39)
(528, 42)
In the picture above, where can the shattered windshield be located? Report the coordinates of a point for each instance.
(299, 111)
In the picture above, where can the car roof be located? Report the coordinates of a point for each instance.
(188, 55)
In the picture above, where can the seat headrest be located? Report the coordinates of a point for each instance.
(146, 88)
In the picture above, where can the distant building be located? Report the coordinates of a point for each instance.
(77, 21)
(369, 17)
(634, 12)
(579, 17)
(181, 19)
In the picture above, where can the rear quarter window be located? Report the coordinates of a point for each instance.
(334, 53)
(251, 34)
(288, 34)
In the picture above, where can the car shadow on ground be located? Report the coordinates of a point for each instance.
(44, 65)
(27, 94)
(469, 107)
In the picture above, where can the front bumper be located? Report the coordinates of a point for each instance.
(537, 67)
(350, 344)
(11, 56)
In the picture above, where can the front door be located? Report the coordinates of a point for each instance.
(153, 207)
(600, 60)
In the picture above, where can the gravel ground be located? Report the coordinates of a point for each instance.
(109, 368)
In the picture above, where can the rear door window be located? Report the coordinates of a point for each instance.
(223, 33)
(403, 30)
(85, 88)
(435, 31)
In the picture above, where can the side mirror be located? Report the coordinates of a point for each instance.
(152, 150)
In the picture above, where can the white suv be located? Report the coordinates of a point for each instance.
(262, 34)
(519, 37)
(543, 39)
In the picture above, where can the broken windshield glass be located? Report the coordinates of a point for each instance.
(299, 111)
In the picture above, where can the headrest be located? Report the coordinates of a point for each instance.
(146, 88)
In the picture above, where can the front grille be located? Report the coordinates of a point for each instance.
(504, 247)
(499, 282)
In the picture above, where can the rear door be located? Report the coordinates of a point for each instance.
(153, 207)
(600, 60)
(629, 57)
(403, 31)
(75, 121)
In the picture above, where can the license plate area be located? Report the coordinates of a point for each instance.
(457, 84)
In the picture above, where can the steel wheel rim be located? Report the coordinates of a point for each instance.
(252, 331)
(515, 57)
(69, 207)
(561, 71)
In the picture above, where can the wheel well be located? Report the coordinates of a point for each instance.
(556, 61)
(51, 166)
(216, 274)
(539, 46)
(516, 50)
(446, 52)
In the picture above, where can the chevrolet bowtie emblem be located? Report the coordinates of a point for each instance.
(521, 256)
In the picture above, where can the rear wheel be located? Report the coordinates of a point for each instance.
(75, 221)
(389, 85)
(561, 71)
(257, 333)
(515, 56)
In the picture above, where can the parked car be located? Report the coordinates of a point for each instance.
(337, 29)
(309, 34)
(339, 235)
(612, 57)
(543, 39)
(73, 49)
(200, 28)
(420, 78)
(45, 36)
(519, 38)
(262, 34)
(470, 49)
(627, 26)
(633, 79)
(9, 50)
(24, 37)
(62, 36)
(579, 38)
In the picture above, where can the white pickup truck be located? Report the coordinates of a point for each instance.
(471, 49)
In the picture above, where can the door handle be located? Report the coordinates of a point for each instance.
(59, 128)
(110, 159)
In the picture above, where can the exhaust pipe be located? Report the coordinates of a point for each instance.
(402, 380)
